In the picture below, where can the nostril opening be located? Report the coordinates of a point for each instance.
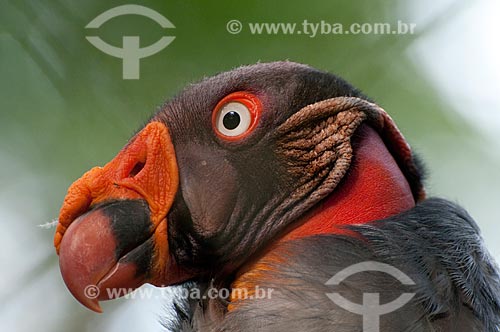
(137, 168)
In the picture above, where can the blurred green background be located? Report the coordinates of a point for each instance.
(64, 108)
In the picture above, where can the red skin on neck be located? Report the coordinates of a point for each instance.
(373, 189)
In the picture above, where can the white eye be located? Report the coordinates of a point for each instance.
(233, 119)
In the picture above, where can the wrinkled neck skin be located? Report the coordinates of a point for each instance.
(373, 189)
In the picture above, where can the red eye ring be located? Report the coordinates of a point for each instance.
(249, 101)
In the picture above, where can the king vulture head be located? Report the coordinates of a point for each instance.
(225, 171)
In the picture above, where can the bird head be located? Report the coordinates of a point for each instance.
(230, 166)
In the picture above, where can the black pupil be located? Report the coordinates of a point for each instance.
(231, 120)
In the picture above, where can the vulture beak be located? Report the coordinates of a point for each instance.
(112, 231)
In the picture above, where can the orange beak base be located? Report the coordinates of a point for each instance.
(112, 231)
